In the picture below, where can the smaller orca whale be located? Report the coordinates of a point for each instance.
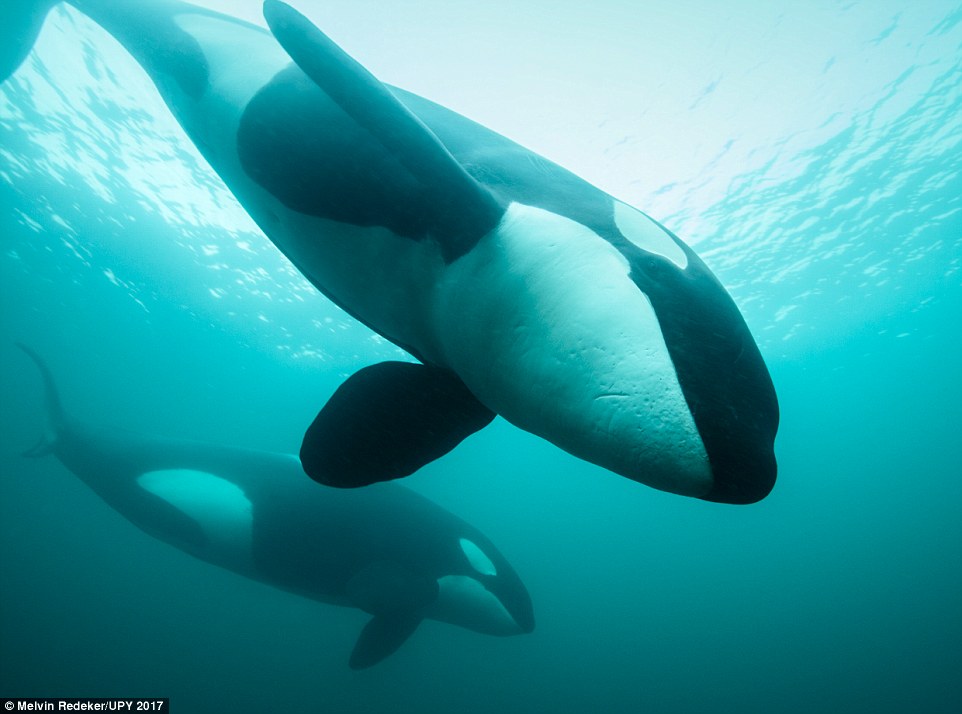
(384, 550)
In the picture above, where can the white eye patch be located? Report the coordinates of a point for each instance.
(647, 235)
(479, 561)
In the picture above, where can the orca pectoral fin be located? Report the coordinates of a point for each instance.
(387, 421)
(396, 597)
(462, 210)
(381, 637)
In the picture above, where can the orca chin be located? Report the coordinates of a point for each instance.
(465, 601)
(736, 489)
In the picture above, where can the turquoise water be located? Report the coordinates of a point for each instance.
(810, 152)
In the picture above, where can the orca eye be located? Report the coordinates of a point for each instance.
(479, 561)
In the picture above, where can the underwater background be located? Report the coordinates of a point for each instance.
(810, 152)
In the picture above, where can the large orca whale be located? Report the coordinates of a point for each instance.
(384, 550)
(521, 289)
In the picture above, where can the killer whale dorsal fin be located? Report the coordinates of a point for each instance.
(463, 209)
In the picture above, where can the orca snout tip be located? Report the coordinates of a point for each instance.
(746, 484)
(525, 622)
(737, 418)
(517, 602)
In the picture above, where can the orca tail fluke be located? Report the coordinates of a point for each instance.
(20, 23)
(56, 418)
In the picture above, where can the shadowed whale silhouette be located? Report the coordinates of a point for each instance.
(521, 289)
(384, 550)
